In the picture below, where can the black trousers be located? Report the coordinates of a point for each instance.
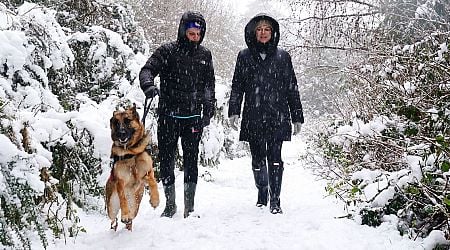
(263, 152)
(267, 177)
(170, 129)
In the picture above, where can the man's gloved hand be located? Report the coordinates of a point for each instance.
(151, 91)
(206, 121)
(297, 127)
(234, 122)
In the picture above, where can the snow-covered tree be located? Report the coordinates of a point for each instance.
(50, 66)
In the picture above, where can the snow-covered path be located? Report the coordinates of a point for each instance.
(229, 218)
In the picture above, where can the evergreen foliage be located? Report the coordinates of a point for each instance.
(84, 49)
(392, 120)
(20, 219)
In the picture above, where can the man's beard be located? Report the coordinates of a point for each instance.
(192, 44)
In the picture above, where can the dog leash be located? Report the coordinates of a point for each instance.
(146, 109)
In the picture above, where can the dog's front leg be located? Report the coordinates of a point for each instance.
(125, 210)
(112, 202)
(153, 185)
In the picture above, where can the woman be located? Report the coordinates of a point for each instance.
(265, 79)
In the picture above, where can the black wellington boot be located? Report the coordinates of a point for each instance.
(189, 195)
(275, 179)
(262, 196)
(261, 182)
(171, 207)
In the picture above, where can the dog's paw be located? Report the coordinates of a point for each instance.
(114, 224)
(126, 220)
(129, 226)
(154, 203)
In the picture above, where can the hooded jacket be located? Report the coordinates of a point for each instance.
(186, 74)
(267, 86)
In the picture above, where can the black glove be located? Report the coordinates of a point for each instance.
(206, 121)
(297, 127)
(151, 91)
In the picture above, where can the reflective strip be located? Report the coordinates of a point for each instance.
(184, 117)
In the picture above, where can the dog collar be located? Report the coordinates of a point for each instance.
(117, 158)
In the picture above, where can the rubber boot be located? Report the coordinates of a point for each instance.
(275, 180)
(261, 182)
(189, 195)
(171, 207)
(262, 196)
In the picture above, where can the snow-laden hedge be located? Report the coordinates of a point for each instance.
(392, 156)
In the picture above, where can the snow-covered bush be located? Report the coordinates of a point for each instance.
(393, 155)
(54, 139)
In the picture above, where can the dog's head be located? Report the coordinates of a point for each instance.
(126, 128)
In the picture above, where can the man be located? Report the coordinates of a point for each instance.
(186, 104)
(265, 76)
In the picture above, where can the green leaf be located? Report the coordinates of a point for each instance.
(412, 190)
(446, 201)
(355, 190)
(445, 166)
(440, 139)
(429, 209)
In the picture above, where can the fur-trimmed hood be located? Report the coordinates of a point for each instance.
(250, 34)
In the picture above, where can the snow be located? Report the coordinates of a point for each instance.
(442, 49)
(45, 18)
(8, 149)
(229, 218)
(225, 201)
(13, 52)
(435, 236)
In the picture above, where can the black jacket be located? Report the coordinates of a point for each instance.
(186, 74)
(272, 99)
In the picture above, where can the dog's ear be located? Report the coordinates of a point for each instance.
(111, 121)
(134, 112)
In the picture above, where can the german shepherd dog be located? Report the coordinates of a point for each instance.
(132, 168)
